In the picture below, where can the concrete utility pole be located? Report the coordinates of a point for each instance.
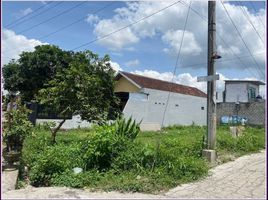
(211, 85)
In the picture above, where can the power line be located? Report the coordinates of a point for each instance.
(34, 11)
(51, 18)
(176, 64)
(38, 14)
(249, 20)
(68, 25)
(239, 34)
(74, 22)
(124, 27)
(252, 6)
(218, 35)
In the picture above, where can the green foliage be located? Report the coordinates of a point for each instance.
(101, 147)
(112, 161)
(127, 128)
(55, 160)
(11, 76)
(19, 127)
(85, 88)
(34, 69)
(252, 140)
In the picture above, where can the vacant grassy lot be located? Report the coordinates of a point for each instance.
(153, 162)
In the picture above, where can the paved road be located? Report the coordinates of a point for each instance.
(242, 178)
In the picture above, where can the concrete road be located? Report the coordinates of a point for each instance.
(242, 178)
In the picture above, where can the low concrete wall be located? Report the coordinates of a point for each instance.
(254, 111)
(73, 123)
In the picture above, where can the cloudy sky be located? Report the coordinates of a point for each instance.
(144, 37)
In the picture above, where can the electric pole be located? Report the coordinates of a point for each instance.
(211, 78)
(211, 85)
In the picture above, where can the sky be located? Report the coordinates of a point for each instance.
(145, 37)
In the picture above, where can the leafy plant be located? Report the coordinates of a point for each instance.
(18, 127)
(127, 128)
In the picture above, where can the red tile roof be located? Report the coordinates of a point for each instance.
(146, 82)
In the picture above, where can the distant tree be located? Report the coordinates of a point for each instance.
(85, 88)
(33, 69)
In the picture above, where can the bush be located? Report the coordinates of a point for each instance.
(19, 128)
(55, 160)
(101, 147)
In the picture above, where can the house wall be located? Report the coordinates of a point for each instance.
(124, 85)
(236, 92)
(239, 91)
(151, 110)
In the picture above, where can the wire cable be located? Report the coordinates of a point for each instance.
(74, 22)
(176, 65)
(51, 18)
(124, 27)
(34, 16)
(249, 20)
(239, 34)
(34, 11)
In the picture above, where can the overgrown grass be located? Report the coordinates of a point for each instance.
(153, 162)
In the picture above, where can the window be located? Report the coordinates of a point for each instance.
(177, 105)
(252, 93)
(202, 108)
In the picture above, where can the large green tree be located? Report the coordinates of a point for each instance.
(85, 88)
(32, 70)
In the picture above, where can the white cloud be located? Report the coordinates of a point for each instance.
(115, 66)
(173, 39)
(132, 63)
(118, 40)
(169, 24)
(25, 11)
(91, 19)
(13, 45)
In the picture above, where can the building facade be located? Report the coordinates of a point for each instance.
(241, 90)
(149, 100)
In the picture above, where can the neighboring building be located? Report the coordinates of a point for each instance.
(241, 90)
(145, 99)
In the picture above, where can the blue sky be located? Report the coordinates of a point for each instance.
(149, 47)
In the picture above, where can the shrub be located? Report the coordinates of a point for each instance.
(33, 146)
(101, 147)
(55, 160)
(19, 127)
(127, 128)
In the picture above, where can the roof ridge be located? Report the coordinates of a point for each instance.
(160, 80)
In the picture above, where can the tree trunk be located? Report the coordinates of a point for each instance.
(54, 131)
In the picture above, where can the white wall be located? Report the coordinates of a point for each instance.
(75, 122)
(151, 110)
(236, 92)
(239, 91)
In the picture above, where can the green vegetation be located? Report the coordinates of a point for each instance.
(150, 162)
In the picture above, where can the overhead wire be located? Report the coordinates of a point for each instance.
(124, 27)
(249, 20)
(256, 11)
(222, 39)
(240, 36)
(34, 16)
(51, 18)
(75, 22)
(176, 65)
(23, 17)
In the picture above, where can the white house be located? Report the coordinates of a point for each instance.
(145, 99)
(241, 90)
